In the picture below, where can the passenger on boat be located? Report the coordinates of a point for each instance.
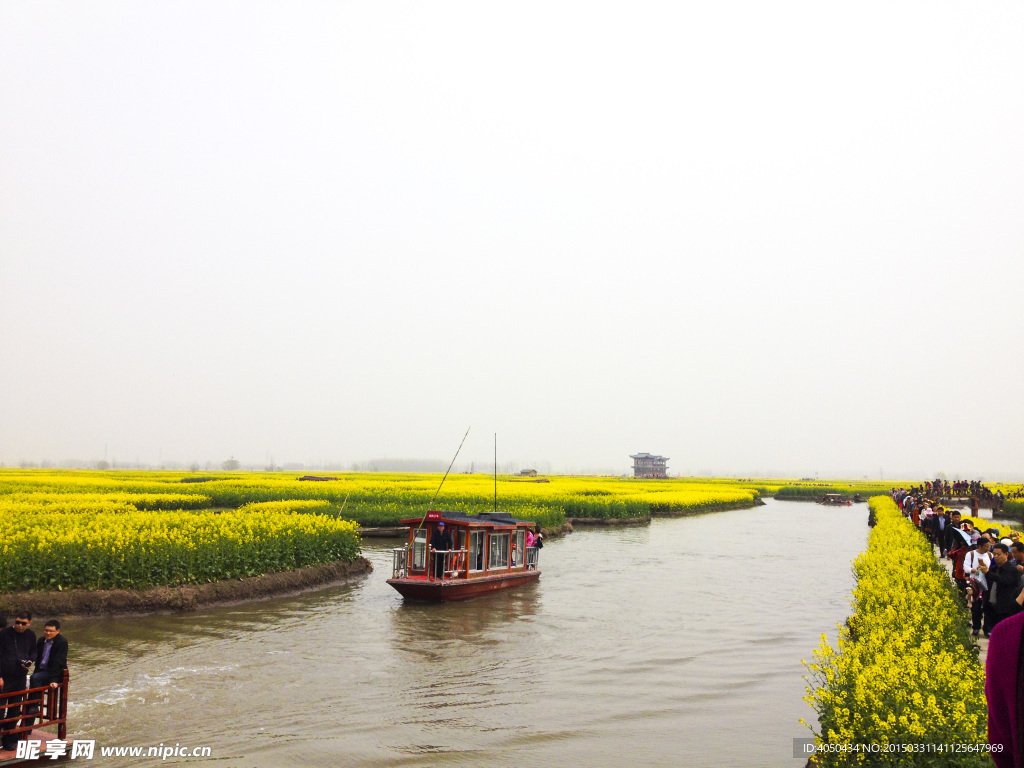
(51, 661)
(51, 657)
(440, 539)
(17, 647)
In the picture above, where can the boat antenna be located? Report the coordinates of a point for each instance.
(495, 473)
(431, 505)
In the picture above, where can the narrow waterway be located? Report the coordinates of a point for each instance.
(677, 643)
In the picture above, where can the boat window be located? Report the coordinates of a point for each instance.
(419, 549)
(476, 551)
(519, 549)
(499, 550)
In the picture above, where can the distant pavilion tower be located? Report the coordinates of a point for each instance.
(649, 465)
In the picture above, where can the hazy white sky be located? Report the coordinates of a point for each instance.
(753, 237)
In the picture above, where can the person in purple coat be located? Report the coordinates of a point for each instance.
(1004, 683)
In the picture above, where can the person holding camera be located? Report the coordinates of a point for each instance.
(17, 652)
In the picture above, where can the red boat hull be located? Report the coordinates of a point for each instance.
(459, 589)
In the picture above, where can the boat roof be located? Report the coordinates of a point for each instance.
(496, 519)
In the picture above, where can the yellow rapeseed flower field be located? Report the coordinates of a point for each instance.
(139, 528)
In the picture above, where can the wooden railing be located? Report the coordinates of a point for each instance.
(39, 707)
(454, 562)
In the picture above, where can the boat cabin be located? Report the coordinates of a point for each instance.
(488, 552)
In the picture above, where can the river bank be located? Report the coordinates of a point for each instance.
(726, 506)
(183, 598)
(187, 598)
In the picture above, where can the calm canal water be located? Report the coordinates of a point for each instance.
(677, 643)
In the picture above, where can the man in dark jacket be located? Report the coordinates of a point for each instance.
(950, 538)
(1004, 581)
(51, 657)
(1017, 559)
(17, 647)
(51, 661)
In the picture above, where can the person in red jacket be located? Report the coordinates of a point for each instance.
(957, 555)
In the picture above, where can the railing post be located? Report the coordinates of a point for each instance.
(62, 711)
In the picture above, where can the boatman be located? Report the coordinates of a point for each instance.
(441, 540)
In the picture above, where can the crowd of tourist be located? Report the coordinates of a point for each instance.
(988, 569)
(965, 489)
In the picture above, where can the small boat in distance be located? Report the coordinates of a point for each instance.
(835, 499)
(489, 553)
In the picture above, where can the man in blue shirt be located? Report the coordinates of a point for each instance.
(51, 661)
(51, 657)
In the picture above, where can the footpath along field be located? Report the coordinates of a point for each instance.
(139, 529)
(903, 687)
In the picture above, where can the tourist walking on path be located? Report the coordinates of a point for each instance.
(972, 569)
(957, 555)
(1003, 584)
(950, 538)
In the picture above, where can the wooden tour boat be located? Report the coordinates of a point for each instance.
(489, 553)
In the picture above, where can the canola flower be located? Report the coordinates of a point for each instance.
(385, 499)
(75, 502)
(129, 548)
(905, 671)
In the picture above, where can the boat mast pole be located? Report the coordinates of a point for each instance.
(431, 505)
(495, 472)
